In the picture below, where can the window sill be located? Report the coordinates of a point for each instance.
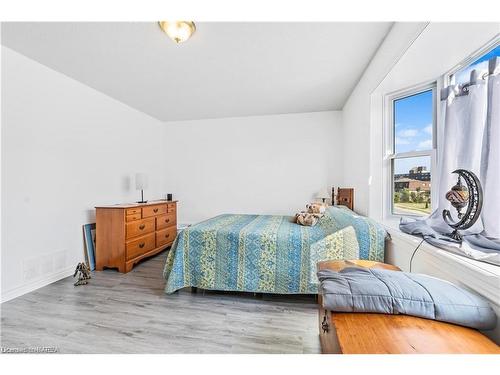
(392, 223)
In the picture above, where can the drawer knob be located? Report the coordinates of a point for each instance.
(155, 210)
(167, 235)
(167, 220)
(141, 245)
(142, 226)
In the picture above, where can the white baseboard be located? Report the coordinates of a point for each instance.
(36, 284)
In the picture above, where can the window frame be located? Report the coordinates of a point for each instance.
(389, 143)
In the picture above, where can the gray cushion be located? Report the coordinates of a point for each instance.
(393, 292)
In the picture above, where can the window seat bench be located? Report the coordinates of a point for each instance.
(368, 333)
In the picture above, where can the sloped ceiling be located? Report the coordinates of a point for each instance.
(224, 70)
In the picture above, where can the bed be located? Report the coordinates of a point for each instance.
(268, 253)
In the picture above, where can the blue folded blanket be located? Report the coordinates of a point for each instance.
(393, 292)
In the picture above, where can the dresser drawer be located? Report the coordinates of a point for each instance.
(140, 227)
(165, 221)
(154, 210)
(133, 217)
(165, 236)
(134, 211)
(140, 246)
(172, 208)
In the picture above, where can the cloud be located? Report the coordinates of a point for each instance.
(402, 141)
(425, 145)
(428, 129)
(408, 133)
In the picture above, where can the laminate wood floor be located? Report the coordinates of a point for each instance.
(130, 313)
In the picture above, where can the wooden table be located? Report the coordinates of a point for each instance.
(366, 333)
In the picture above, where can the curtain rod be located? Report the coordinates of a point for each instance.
(463, 89)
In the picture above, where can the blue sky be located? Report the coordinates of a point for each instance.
(494, 52)
(413, 129)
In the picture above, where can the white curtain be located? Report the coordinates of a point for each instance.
(490, 172)
(471, 140)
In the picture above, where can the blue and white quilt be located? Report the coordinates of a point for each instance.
(268, 254)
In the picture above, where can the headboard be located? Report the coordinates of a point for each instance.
(345, 197)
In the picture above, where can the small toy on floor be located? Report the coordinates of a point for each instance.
(83, 274)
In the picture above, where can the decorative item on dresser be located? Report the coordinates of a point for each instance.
(127, 233)
(141, 183)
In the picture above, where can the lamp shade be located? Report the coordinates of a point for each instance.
(323, 194)
(141, 181)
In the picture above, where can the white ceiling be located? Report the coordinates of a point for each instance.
(224, 70)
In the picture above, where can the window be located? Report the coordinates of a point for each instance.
(412, 149)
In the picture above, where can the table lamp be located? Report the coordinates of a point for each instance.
(323, 195)
(141, 183)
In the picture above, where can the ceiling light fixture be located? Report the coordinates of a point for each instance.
(178, 31)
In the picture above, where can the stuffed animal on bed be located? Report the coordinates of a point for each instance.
(316, 208)
(310, 217)
(307, 219)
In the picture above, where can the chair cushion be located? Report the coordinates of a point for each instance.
(392, 292)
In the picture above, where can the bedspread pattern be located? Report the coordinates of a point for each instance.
(270, 254)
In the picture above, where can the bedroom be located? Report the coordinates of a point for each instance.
(195, 159)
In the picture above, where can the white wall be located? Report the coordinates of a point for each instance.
(262, 164)
(356, 112)
(65, 148)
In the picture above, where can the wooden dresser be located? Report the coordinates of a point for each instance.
(127, 233)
